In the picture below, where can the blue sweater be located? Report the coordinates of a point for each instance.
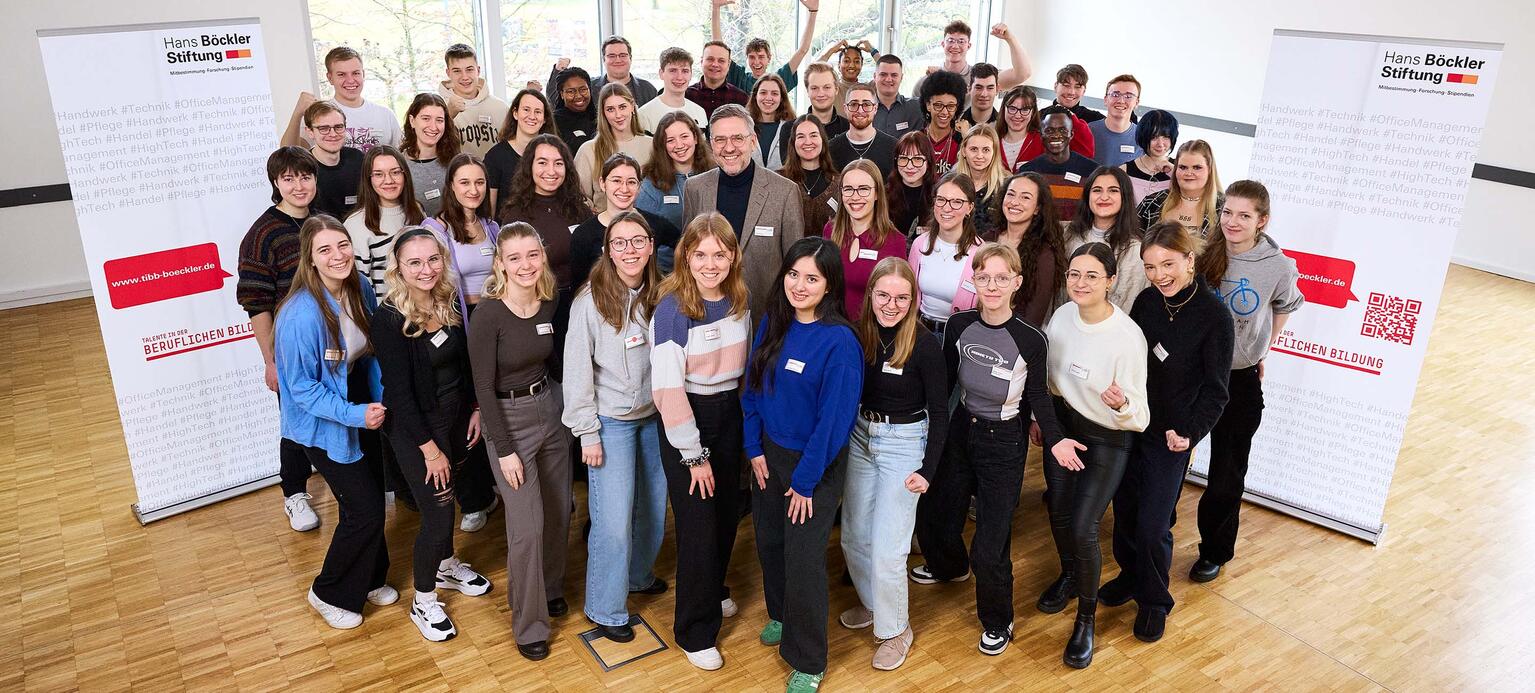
(809, 405)
(316, 412)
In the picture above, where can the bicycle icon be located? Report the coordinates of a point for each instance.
(1243, 299)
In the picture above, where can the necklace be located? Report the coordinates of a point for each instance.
(884, 346)
(1186, 198)
(865, 150)
(1172, 310)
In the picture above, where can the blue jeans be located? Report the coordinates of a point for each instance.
(626, 499)
(878, 515)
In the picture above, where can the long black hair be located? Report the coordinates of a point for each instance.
(1127, 224)
(779, 315)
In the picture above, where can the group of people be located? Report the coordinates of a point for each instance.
(863, 315)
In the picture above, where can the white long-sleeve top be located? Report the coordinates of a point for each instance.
(1085, 359)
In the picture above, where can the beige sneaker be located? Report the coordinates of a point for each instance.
(892, 653)
(856, 618)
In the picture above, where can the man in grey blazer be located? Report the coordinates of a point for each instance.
(763, 207)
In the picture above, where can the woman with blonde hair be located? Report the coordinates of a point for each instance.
(516, 374)
(903, 418)
(699, 335)
(618, 130)
(980, 157)
(1194, 198)
(418, 335)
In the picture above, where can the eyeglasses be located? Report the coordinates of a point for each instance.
(861, 191)
(330, 129)
(956, 42)
(617, 56)
(881, 298)
(940, 202)
(576, 91)
(860, 105)
(1074, 276)
(987, 280)
(722, 140)
(619, 245)
(1019, 110)
(1121, 95)
(907, 160)
(391, 174)
(417, 264)
(943, 107)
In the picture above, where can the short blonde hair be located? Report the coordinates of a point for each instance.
(991, 250)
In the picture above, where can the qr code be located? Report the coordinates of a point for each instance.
(1391, 318)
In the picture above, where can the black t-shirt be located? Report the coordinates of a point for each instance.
(336, 186)
(921, 383)
(880, 150)
(500, 165)
(586, 242)
(576, 128)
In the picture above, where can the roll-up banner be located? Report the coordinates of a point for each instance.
(165, 130)
(1366, 144)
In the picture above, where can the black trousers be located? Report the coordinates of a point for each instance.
(293, 467)
(1078, 499)
(1143, 517)
(706, 528)
(985, 460)
(1231, 442)
(449, 426)
(793, 556)
(357, 561)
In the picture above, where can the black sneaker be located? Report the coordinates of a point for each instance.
(922, 575)
(1115, 592)
(994, 642)
(657, 586)
(1150, 622)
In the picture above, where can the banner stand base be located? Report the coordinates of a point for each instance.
(1370, 535)
(145, 518)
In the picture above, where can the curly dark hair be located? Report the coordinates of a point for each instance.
(940, 83)
(569, 198)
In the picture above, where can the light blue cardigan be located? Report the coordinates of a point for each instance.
(315, 411)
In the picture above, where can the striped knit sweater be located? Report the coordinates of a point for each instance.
(694, 356)
(268, 259)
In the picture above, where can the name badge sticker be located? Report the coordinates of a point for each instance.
(349, 200)
(762, 231)
(544, 328)
(1073, 177)
(1078, 372)
(572, 227)
(795, 366)
(634, 341)
(486, 119)
(487, 251)
(578, 133)
(832, 203)
(432, 194)
(887, 368)
(1127, 149)
(334, 354)
(671, 199)
(1002, 373)
(439, 338)
(868, 254)
(1160, 352)
(901, 126)
(967, 285)
(712, 333)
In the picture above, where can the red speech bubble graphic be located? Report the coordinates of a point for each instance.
(1327, 281)
(165, 274)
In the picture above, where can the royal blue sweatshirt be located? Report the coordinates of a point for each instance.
(809, 399)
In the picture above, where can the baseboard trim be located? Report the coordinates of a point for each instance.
(44, 294)
(1493, 268)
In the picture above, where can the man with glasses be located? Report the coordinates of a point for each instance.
(763, 207)
(896, 114)
(1114, 136)
(574, 115)
(711, 90)
(617, 57)
(340, 167)
(1066, 171)
(956, 51)
(759, 51)
(862, 140)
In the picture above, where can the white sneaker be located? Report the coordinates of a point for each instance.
(728, 607)
(457, 575)
(384, 596)
(432, 620)
(708, 660)
(475, 521)
(301, 517)
(337, 617)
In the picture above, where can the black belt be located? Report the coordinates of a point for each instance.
(528, 391)
(880, 417)
(932, 325)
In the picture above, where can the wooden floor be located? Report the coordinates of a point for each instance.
(213, 599)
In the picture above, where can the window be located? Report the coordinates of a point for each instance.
(401, 42)
(653, 26)
(919, 35)
(850, 20)
(536, 33)
(777, 21)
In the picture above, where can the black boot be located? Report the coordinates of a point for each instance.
(1079, 649)
(1058, 594)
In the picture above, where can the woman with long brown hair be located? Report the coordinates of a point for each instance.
(618, 130)
(1107, 214)
(808, 163)
(431, 142)
(546, 195)
(321, 341)
(910, 192)
(902, 421)
(386, 203)
(942, 253)
(677, 152)
(699, 334)
(1026, 222)
(862, 230)
(608, 405)
(771, 110)
(529, 116)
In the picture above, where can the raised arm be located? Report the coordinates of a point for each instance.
(830, 50)
(714, 19)
(814, 8)
(1021, 68)
(290, 135)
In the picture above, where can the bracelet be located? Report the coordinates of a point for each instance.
(438, 456)
(697, 461)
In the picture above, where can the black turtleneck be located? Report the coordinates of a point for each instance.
(921, 383)
(733, 195)
(1189, 362)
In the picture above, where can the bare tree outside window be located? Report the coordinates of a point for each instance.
(401, 42)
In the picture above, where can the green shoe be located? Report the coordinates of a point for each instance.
(772, 634)
(801, 682)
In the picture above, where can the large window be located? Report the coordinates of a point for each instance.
(919, 33)
(536, 33)
(401, 42)
(653, 26)
(850, 20)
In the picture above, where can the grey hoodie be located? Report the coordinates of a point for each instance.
(1269, 277)
(607, 371)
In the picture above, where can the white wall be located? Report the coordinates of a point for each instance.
(1209, 58)
(42, 242)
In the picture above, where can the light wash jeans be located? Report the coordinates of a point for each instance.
(626, 499)
(878, 515)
